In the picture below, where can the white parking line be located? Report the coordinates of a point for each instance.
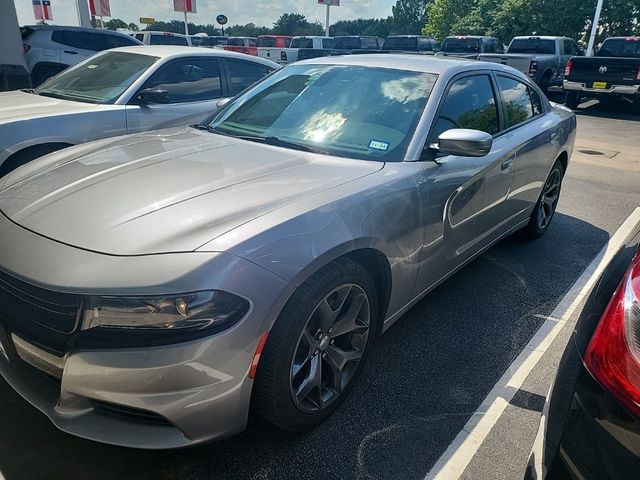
(458, 455)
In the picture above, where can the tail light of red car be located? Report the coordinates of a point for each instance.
(25, 48)
(613, 354)
(533, 68)
(569, 68)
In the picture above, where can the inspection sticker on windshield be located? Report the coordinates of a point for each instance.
(378, 145)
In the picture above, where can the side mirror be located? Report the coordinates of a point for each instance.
(465, 143)
(154, 95)
(223, 102)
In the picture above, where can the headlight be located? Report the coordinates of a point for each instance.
(143, 321)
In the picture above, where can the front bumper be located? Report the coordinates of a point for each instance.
(614, 89)
(161, 397)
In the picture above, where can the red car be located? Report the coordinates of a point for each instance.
(248, 45)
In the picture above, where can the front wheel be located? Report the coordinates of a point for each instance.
(316, 348)
(545, 208)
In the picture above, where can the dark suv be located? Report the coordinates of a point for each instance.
(49, 49)
(411, 44)
(470, 46)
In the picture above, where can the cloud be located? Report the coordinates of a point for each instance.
(260, 12)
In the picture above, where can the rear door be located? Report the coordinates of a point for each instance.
(532, 138)
(76, 45)
(195, 85)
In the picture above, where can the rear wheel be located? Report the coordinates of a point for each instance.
(545, 208)
(544, 83)
(316, 349)
(572, 100)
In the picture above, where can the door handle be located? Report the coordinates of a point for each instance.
(70, 52)
(506, 165)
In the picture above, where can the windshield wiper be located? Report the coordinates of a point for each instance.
(271, 140)
(28, 90)
(61, 96)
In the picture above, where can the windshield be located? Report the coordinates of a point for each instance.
(532, 45)
(400, 43)
(461, 45)
(99, 79)
(166, 39)
(620, 47)
(348, 111)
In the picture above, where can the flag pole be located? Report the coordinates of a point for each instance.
(594, 28)
(101, 22)
(42, 14)
(186, 25)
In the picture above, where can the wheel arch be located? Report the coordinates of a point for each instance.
(14, 160)
(563, 158)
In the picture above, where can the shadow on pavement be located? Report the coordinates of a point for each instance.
(618, 109)
(424, 379)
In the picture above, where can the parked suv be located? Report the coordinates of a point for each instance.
(411, 44)
(470, 46)
(49, 49)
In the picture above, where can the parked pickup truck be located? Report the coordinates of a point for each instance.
(613, 72)
(469, 46)
(300, 48)
(410, 44)
(542, 58)
(356, 44)
(247, 45)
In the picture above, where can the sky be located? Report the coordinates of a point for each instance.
(260, 12)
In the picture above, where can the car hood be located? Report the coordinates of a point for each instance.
(167, 191)
(18, 105)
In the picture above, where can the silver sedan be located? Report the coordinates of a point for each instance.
(171, 281)
(120, 91)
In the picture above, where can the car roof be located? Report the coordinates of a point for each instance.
(410, 62)
(537, 37)
(469, 36)
(407, 36)
(76, 29)
(170, 51)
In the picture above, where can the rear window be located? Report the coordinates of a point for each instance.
(347, 43)
(164, 39)
(25, 32)
(532, 45)
(461, 45)
(400, 43)
(208, 41)
(236, 42)
(302, 43)
(620, 47)
(266, 42)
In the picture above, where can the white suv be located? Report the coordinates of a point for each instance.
(162, 38)
(49, 49)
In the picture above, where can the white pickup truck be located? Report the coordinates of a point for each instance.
(301, 48)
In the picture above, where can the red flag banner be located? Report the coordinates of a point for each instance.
(188, 6)
(42, 10)
(100, 8)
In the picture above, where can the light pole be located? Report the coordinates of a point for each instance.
(594, 28)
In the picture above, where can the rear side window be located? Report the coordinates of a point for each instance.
(370, 43)
(267, 42)
(188, 80)
(327, 43)
(114, 41)
(469, 103)
(82, 40)
(517, 101)
(243, 74)
(140, 36)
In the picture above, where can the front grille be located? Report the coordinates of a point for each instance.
(42, 317)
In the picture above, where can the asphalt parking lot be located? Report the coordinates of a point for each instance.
(426, 375)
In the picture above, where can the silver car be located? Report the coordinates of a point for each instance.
(156, 287)
(123, 90)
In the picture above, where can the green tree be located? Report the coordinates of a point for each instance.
(133, 27)
(443, 15)
(116, 23)
(377, 27)
(409, 16)
(296, 24)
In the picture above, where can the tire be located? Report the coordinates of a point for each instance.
(284, 392)
(572, 100)
(28, 154)
(635, 106)
(545, 208)
(544, 83)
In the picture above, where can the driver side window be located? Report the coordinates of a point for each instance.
(469, 103)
